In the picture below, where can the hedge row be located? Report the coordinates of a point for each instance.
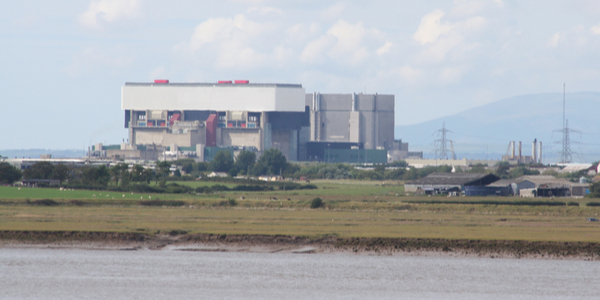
(254, 188)
(171, 188)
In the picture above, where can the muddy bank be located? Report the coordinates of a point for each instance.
(300, 244)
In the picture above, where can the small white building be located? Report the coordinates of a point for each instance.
(217, 174)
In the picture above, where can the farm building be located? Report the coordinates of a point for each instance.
(441, 183)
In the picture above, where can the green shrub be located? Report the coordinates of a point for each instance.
(43, 202)
(77, 202)
(316, 203)
(161, 203)
(175, 232)
(572, 203)
(593, 204)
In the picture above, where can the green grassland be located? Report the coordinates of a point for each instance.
(351, 209)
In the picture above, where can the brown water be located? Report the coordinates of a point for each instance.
(91, 274)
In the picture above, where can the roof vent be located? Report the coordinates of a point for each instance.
(224, 82)
(161, 80)
(242, 81)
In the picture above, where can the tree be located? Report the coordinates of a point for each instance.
(245, 160)
(120, 173)
(522, 171)
(8, 173)
(60, 172)
(502, 169)
(95, 175)
(477, 168)
(233, 172)
(594, 190)
(40, 170)
(411, 174)
(398, 164)
(222, 162)
(272, 162)
(163, 168)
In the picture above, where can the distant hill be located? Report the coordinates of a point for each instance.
(486, 130)
(35, 153)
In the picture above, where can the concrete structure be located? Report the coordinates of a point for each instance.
(516, 157)
(463, 163)
(352, 118)
(400, 151)
(258, 117)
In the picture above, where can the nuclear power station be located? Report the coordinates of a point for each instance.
(202, 117)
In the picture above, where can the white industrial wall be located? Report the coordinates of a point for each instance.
(220, 97)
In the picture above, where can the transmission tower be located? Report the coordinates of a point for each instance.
(441, 149)
(566, 156)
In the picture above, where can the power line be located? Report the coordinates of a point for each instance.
(566, 155)
(441, 148)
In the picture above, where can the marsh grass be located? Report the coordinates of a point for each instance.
(349, 209)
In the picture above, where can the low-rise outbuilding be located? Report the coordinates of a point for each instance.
(441, 183)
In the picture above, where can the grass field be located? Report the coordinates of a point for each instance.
(352, 209)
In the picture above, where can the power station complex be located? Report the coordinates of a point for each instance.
(203, 117)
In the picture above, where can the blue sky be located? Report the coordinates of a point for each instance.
(63, 62)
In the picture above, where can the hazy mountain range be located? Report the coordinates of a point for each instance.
(485, 131)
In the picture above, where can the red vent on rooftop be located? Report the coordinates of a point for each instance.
(224, 81)
(242, 81)
(161, 80)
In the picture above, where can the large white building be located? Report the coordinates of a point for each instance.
(256, 116)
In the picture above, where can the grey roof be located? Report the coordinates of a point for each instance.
(502, 182)
(455, 179)
(539, 181)
(216, 84)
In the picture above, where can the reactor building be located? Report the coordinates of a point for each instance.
(257, 117)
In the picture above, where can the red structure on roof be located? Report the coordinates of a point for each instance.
(211, 131)
(161, 80)
(174, 117)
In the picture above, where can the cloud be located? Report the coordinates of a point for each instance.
(333, 12)
(315, 50)
(451, 75)
(575, 37)
(231, 41)
(431, 28)
(343, 42)
(408, 74)
(553, 41)
(92, 59)
(438, 39)
(385, 48)
(109, 11)
(595, 29)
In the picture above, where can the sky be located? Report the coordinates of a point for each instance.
(62, 63)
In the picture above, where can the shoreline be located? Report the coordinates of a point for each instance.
(204, 242)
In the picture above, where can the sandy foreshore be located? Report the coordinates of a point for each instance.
(300, 244)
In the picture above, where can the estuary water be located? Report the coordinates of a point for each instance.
(167, 274)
